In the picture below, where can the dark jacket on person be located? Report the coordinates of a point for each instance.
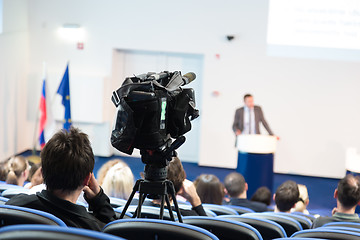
(242, 202)
(337, 217)
(72, 214)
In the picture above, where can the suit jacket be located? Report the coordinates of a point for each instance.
(259, 117)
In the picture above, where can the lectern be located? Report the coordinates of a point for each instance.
(256, 160)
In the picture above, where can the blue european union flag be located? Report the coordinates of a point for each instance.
(64, 91)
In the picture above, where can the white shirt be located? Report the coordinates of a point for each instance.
(249, 112)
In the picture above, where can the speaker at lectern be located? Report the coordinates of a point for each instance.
(256, 160)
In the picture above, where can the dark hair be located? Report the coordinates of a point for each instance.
(66, 160)
(209, 188)
(247, 95)
(349, 191)
(235, 184)
(287, 194)
(176, 173)
(263, 195)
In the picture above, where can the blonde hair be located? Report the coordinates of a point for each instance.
(16, 166)
(104, 169)
(118, 181)
(301, 205)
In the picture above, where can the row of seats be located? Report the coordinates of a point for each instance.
(250, 225)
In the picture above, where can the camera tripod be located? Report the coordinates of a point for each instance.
(155, 184)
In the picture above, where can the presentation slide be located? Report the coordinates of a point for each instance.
(327, 29)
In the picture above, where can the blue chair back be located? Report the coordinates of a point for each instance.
(27, 232)
(342, 224)
(3, 200)
(268, 229)
(4, 186)
(241, 210)
(225, 229)
(150, 229)
(290, 225)
(149, 212)
(331, 234)
(11, 215)
(305, 222)
(208, 212)
(10, 192)
(220, 209)
(308, 216)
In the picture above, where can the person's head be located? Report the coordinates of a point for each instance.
(348, 192)
(249, 100)
(67, 161)
(17, 170)
(35, 175)
(263, 195)
(209, 188)
(118, 181)
(303, 202)
(287, 194)
(176, 173)
(235, 184)
(104, 169)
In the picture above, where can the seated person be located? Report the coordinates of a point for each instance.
(101, 173)
(67, 164)
(263, 195)
(183, 187)
(303, 202)
(35, 176)
(286, 196)
(347, 197)
(118, 181)
(236, 187)
(209, 188)
(17, 169)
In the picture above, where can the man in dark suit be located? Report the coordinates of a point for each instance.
(247, 119)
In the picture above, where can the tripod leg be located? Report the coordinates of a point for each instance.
(172, 217)
(162, 207)
(172, 193)
(135, 189)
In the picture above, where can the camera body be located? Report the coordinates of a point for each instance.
(151, 110)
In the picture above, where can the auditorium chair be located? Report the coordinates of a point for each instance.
(208, 212)
(357, 230)
(305, 222)
(331, 234)
(27, 232)
(151, 229)
(148, 212)
(342, 224)
(225, 229)
(240, 210)
(117, 202)
(3, 200)
(10, 192)
(308, 216)
(11, 215)
(289, 224)
(4, 186)
(268, 229)
(220, 209)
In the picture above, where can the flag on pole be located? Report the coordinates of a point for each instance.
(42, 115)
(64, 91)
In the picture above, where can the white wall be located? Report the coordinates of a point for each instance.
(16, 131)
(310, 104)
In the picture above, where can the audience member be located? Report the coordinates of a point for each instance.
(286, 196)
(263, 195)
(209, 188)
(347, 195)
(17, 169)
(35, 176)
(303, 202)
(118, 181)
(101, 173)
(3, 170)
(236, 187)
(67, 164)
(183, 187)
